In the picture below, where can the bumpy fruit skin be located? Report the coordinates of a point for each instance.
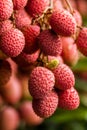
(5, 26)
(46, 106)
(9, 119)
(27, 113)
(36, 7)
(12, 42)
(19, 4)
(6, 9)
(30, 58)
(82, 41)
(24, 60)
(63, 23)
(41, 81)
(50, 43)
(31, 32)
(64, 77)
(69, 99)
(21, 19)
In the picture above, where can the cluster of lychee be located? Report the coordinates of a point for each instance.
(42, 37)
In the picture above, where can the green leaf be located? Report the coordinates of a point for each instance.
(81, 65)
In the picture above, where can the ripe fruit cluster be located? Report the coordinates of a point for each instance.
(38, 40)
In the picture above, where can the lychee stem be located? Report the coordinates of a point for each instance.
(80, 27)
(70, 7)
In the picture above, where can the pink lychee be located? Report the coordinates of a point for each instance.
(63, 23)
(46, 106)
(50, 43)
(5, 26)
(64, 77)
(36, 7)
(19, 4)
(41, 81)
(31, 32)
(12, 42)
(21, 18)
(9, 118)
(69, 99)
(28, 115)
(6, 9)
(82, 41)
(69, 51)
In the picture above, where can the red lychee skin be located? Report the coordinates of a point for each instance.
(63, 23)
(21, 19)
(46, 106)
(19, 4)
(24, 60)
(12, 42)
(69, 51)
(41, 81)
(31, 32)
(64, 77)
(69, 99)
(50, 43)
(6, 9)
(27, 113)
(5, 26)
(30, 58)
(82, 41)
(9, 119)
(77, 17)
(36, 7)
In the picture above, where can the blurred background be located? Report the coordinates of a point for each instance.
(61, 119)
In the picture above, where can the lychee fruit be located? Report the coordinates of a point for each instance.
(21, 18)
(36, 7)
(46, 106)
(6, 9)
(63, 23)
(12, 91)
(19, 4)
(57, 4)
(5, 26)
(5, 72)
(64, 77)
(9, 118)
(12, 42)
(26, 61)
(77, 17)
(41, 81)
(69, 51)
(82, 41)
(68, 99)
(30, 58)
(31, 32)
(50, 43)
(28, 115)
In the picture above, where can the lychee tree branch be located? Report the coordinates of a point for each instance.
(70, 7)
